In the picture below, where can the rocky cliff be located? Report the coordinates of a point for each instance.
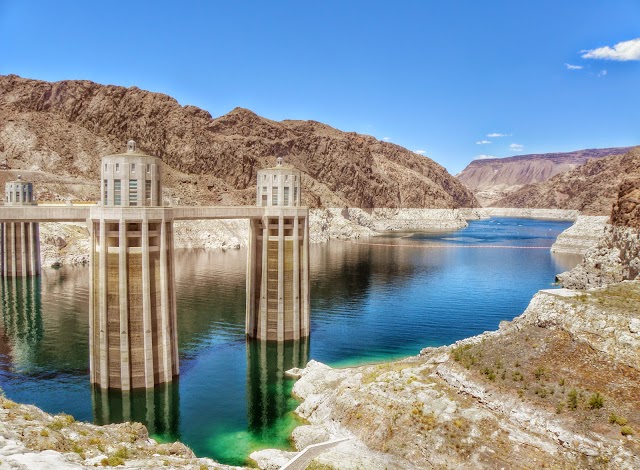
(591, 188)
(616, 257)
(55, 134)
(491, 179)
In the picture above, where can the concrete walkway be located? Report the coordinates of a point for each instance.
(300, 461)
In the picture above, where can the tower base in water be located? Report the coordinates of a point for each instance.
(278, 277)
(20, 249)
(132, 320)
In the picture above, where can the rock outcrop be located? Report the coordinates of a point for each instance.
(55, 134)
(591, 188)
(492, 179)
(616, 257)
(581, 236)
(33, 439)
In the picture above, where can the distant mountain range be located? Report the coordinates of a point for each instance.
(591, 188)
(55, 134)
(493, 179)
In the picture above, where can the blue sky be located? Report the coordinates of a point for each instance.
(432, 76)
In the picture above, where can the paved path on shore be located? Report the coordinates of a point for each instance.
(300, 461)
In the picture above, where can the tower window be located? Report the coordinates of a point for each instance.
(286, 196)
(133, 192)
(274, 196)
(147, 192)
(117, 167)
(133, 167)
(106, 192)
(295, 195)
(117, 192)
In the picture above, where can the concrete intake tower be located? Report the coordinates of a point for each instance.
(20, 240)
(132, 315)
(278, 260)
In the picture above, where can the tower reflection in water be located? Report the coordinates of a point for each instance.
(158, 409)
(21, 321)
(268, 390)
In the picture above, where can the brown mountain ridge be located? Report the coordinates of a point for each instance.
(591, 188)
(55, 134)
(494, 178)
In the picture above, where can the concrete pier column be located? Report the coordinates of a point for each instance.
(305, 301)
(277, 286)
(20, 249)
(133, 326)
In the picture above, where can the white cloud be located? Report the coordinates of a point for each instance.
(386, 139)
(484, 157)
(482, 142)
(420, 152)
(516, 147)
(573, 67)
(602, 73)
(623, 51)
(497, 134)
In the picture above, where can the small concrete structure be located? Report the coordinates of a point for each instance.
(278, 260)
(19, 240)
(133, 333)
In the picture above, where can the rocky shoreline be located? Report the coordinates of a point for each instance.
(31, 439)
(555, 388)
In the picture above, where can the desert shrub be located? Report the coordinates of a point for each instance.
(596, 401)
(539, 372)
(572, 399)
(112, 461)
(121, 453)
(615, 419)
(626, 431)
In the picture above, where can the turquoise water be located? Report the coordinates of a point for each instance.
(381, 298)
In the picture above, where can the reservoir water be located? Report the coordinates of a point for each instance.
(377, 299)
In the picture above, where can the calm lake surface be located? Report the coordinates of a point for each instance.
(381, 298)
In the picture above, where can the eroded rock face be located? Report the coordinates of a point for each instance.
(626, 210)
(616, 257)
(63, 128)
(581, 236)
